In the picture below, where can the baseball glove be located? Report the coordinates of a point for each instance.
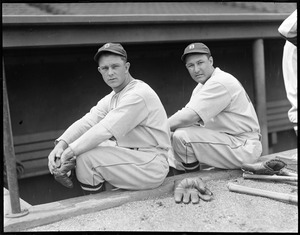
(61, 173)
(191, 189)
(269, 167)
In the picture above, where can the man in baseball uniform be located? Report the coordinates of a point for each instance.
(218, 126)
(123, 140)
(288, 30)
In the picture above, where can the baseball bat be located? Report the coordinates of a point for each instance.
(270, 177)
(264, 193)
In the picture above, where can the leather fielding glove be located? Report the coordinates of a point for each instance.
(61, 173)
(191, 189)
(269, 167)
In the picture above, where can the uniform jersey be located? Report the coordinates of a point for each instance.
(288, 29)
(289, 69)
(135, 117)
(223, 105)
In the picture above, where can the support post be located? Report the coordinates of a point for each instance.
(260, 91)
(10, 158)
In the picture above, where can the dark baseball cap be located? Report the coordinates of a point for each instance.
(197, 47)
(115, 48)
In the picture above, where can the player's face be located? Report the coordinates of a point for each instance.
(114, 71)
(200, 67)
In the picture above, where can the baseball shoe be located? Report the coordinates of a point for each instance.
(62, 173)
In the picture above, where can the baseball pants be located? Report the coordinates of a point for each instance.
(132, 169)
(198, 144)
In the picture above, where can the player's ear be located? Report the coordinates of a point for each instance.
(211, 60)
(127, 66)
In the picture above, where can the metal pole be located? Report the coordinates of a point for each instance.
(260, 91)
(10, 158)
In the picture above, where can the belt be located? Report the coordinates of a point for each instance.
(134, 149)
(250, 136)
(154, 148)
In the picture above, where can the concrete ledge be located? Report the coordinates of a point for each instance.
(7, 204)
(52, 212)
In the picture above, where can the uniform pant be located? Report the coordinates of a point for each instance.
(124, 168)
(196, 143)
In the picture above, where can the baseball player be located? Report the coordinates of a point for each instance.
(288, 30)
(123, 140)
(218, 126)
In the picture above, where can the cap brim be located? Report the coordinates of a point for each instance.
(96, 57)
(183, 57)
(193, 52)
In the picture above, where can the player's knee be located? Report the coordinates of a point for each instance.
(179, 139)
(178, 136)
(80, 161)
(83, 165)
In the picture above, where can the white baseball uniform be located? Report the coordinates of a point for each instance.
(136, 158)
(288, 29)
(289, 67)
(228, 133)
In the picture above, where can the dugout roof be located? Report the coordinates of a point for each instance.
(73, 24)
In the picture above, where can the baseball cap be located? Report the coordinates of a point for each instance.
(195, 48)
(115, 48)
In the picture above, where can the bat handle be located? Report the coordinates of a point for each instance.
(271, 177)
(264, 193)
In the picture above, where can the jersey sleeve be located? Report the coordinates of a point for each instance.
(209, 101)
(288, 28)
(130, 112)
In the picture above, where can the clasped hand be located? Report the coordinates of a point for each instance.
(191, 189)
(58, 156)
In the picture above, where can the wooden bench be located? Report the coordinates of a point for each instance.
(277, 117)
(32, 151)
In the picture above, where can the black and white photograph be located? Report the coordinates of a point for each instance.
(150, 116)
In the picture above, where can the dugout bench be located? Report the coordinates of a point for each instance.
(277, 118)
(32, 150)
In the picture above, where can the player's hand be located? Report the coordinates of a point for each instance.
(55, 154)
(191, 189)
(66, 155)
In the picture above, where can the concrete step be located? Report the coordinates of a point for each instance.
(55, 211)
(7, 204)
